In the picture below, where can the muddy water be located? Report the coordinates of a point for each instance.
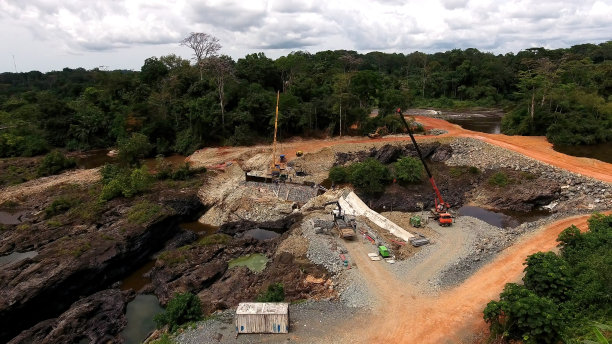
(602, 151)
(16, 256)
(12, 216)
(260, 234)
(137, 280)
(256, 262)
(175, 161)
(484, 123)
(506, 219)
(139, 314)
(199, 228)
(94, 158)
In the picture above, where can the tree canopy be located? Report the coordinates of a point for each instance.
(564, 94)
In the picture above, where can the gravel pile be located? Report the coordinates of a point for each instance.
(353, 290)
(323, 249)
(473, 152)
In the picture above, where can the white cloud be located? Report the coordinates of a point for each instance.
(115, 29)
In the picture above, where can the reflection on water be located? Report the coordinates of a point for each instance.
(137, 280)
(139, 314)
(12, 216)
(199, 228)
(484, 124)
(602, 151)
(94, 158)
(506, 219)
(16, 256)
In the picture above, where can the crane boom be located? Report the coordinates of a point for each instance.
(441, 206)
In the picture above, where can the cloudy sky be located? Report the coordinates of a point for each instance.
(120, 34)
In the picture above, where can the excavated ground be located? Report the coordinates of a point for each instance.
(81, 253)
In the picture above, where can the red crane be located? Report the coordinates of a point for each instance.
(440, 212)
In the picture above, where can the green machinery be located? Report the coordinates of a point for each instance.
(384, 251)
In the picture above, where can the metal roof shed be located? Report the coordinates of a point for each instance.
(262, 317)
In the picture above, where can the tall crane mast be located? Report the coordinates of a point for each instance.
(441, 209)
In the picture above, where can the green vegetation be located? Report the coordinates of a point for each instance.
(171, 105)
(181, 309)
(124, 182)
(13, 175)
(54, 163)
(409, 170)
(144, 212)
(370, 176)
(58, 206)
(134, 148)
(339, 174)
(499, 179)
(215, 239)
(564, 295)
(274, 293)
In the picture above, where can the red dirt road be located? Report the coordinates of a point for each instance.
(455, 316)
(532, 146)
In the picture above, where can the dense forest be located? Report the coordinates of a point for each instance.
(565, 94)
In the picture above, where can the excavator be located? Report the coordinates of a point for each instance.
(380, 132)
(440, 212)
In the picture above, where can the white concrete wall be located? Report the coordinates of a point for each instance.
(353, 205)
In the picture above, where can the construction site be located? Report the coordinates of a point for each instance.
(414, 264)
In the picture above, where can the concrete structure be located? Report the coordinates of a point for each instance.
(262, 317)
(353, 205)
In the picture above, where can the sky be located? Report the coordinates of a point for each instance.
(47, 35)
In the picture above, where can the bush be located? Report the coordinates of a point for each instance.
(339, 174)
(133, 149)
(409, 170)
(58, 206)
(124, 182)
(54, 163)
(473, 170)
(520, 314)
(181, 309)
(275, 293)
(499, 179)
(370, 176)
(548, 275)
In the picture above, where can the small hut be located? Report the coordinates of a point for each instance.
(262, 317)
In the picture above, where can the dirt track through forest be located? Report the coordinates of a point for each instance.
(404, 315)
(536, 147)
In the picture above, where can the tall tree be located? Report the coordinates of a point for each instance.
(203, 46)
(221, 69)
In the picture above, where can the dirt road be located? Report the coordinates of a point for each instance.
(405, 315)
(532, 146)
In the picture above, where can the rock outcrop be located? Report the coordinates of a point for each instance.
(98, 318)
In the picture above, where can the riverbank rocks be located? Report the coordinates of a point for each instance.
(98, 318)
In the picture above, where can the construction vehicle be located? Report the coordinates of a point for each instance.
(346, 228)
(380, 132)
(383, 251)
(299, 153)
(277, 169)
(440, 212)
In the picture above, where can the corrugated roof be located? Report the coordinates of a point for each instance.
(263, 308)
